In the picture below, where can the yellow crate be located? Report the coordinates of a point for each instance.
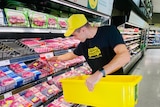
(110, 91)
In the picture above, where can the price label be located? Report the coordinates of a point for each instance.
(49, 78)
(72, 68)
(4, 62)
(84, 64)
(47, 55)
(69, 50)
(9, 94)
(63, 31)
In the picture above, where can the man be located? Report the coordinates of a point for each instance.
(103, 48)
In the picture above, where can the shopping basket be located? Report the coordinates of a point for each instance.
(110, 91)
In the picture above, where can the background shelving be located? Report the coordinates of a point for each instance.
(135, 40)
(153, 39)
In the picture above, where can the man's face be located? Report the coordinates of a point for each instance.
(80, 34)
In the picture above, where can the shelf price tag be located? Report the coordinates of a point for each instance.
(69, 50)
(49, 78)
(63, 31)
(47, 55)
(8, 94)
(84, 64)
(72, 68)
(4, 62)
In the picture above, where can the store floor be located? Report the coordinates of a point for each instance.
(149, 87)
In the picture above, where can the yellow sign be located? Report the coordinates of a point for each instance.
(93, 4)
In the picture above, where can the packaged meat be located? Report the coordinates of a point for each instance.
(2, 74)
(6, 70)
(36, 73)
(62, 22)
(3, 103)
(10, 100)
(42, 97)
(7, 84)
(44, 73)
(37, 19)
(36, 65)
(28, 93)
(43, 49)
(60, 102)
(16, 18)
(57, 65)
(52, 21)
(18, 80)
(27, 76)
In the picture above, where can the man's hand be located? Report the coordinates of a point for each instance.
(54, 58)
(93, 79)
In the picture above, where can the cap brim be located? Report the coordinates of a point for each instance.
(68, 33)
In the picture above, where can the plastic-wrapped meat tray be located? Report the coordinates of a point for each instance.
(6, 83)
(11, 48)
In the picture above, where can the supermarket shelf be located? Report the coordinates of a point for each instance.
(133, 61)
(19, 59)
(136, 51)
(30, 30)
(24, 58)
(151, 36)
(133, 47)
(29, 85)
(133, 38)
(30, 57)
(34, 56)
(130, 33)
(75, 6)
(136, 41)
(153, 47)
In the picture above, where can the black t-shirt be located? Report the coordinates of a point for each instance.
(98, 51)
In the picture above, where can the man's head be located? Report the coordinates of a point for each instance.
(75, 22)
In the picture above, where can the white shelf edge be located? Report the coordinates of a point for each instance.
(30, 30)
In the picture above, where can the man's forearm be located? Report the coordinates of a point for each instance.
(67, 56)
(117, 62)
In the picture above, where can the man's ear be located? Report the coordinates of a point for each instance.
(83, 29)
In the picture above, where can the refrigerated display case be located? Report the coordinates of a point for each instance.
(14, 52)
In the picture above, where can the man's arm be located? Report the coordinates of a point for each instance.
(121, 58)
(64, 57)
